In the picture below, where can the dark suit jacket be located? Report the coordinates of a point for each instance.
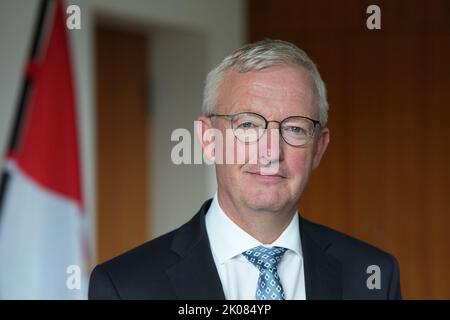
(180, 265)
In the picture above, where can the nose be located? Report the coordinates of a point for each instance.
(269, 146)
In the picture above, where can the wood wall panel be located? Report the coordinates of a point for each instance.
(385, 177)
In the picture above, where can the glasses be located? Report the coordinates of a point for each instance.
(249, 127)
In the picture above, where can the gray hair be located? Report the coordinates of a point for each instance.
(261, 55)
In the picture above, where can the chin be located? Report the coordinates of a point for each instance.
(266, 201)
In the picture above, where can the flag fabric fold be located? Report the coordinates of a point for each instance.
(43, 252)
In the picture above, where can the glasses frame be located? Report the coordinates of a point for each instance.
(231, 116)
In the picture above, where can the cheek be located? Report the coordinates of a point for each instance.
(237, 153)
(231, 151)
(299, 164)
(228, 175)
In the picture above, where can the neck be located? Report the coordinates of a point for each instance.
(263, 225)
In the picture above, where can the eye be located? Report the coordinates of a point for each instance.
(295, 130)
(246, 125)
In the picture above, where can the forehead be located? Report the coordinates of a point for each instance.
(279, 91)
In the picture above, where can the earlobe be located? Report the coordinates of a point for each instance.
(206, 138)
(322, 145)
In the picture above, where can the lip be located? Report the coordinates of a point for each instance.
(267, 178)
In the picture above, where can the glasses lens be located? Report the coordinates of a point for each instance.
(297, 131)
(248, 127)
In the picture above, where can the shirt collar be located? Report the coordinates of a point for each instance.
(228, 240)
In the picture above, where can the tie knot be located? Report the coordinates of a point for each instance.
(265, 258)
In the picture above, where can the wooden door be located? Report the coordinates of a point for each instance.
(122, 140)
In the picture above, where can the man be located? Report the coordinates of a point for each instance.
(249, 242)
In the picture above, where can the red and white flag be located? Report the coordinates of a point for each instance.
(43, 251)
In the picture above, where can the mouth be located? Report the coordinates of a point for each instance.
(266, 177)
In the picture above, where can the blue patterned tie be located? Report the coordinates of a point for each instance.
(266, 260)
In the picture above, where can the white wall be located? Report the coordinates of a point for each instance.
(177, 191)
(16, 19)
(188, 38)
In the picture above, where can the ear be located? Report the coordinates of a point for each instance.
(206, 137)
(322, 144)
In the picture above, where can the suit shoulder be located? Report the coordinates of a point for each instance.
(357, 261)
(345, 246)
(152, 255)
(136, 274)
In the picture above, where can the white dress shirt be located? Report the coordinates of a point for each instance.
(239, 276)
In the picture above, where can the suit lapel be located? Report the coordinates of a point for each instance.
(323, 274)
(195, 275)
